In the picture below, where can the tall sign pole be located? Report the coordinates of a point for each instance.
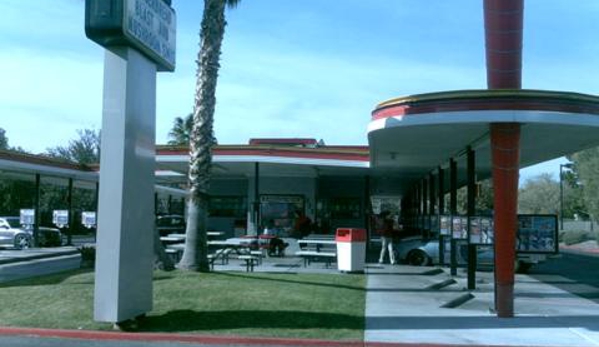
(139, 37)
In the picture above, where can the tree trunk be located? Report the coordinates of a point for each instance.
(195, 256)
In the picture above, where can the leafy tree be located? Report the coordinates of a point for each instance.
(3, 139)
(586, 168)
(195, 256)
(483, 198)
(181, 131)
(539, 195)
(85, 150)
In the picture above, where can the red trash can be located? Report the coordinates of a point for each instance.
(351, 249)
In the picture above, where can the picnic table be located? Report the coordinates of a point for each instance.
(225, 247)
(318, 247)
(170, 239)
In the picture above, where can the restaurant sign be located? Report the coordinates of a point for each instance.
(147, 25)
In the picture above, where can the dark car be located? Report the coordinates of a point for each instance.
(170, 224)
(49, 237)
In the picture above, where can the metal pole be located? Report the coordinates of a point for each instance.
(257, 197)
(432, 202)
(71, 219)
(96, 199)
(453, 208)
(425, 207)
(368, 209)
(441, 203)
(561, 197)
(37, 217)
(471, 207)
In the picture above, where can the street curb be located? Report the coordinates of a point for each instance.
(199, 339)
(578, 251)
(37, 257)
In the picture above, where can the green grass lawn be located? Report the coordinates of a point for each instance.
(275, 305)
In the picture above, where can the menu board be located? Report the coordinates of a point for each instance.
(459, 225)
(537, 234)
(481, 230)
(444, 228)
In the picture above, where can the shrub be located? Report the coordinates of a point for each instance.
(88, 255)
(572, 237)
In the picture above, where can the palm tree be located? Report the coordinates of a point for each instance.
(181, 131)
(195, 255)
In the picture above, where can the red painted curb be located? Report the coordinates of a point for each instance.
(203, 339)
(173, 337)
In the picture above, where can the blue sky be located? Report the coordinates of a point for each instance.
(309, 68)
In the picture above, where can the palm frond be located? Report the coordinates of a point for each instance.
(232, 3)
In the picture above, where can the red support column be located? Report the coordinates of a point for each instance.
(505, 146)
(503, 38)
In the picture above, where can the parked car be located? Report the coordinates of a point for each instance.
(11, 235)
(14, 235)
(49, 237)
(417, 251)
(170, 224)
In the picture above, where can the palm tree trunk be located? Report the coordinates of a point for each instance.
(162, 261)
(195, 256)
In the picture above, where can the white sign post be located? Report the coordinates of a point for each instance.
(140, 39)
(60, 218)
(88, 219)
(27, 217)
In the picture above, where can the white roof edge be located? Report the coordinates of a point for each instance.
(290, 160)
(269, 159)
(17, 166)
(482, 116)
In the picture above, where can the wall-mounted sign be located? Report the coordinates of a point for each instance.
(88, 219)
(27, 216)
(444, 225)
(459, 225)
(147, 25)
(481, 231)
(537, 234)
(60, 218)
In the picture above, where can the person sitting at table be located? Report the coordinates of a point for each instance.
(302, 225)
(276, 246)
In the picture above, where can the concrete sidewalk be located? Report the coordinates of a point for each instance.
(404, 304)
(21, 264)
(10, 256)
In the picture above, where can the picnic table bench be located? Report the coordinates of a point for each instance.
(318, 247)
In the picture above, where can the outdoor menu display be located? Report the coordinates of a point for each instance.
(280, 209)
(481, 230)
(459, 227)
(537, 234)
(444, 225)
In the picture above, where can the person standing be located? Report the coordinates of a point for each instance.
(386, 231)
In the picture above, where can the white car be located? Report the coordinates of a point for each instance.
(11, 235)
(416, 251)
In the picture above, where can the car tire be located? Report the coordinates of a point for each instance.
(22, 242)
(418, 257)
(522, 267)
